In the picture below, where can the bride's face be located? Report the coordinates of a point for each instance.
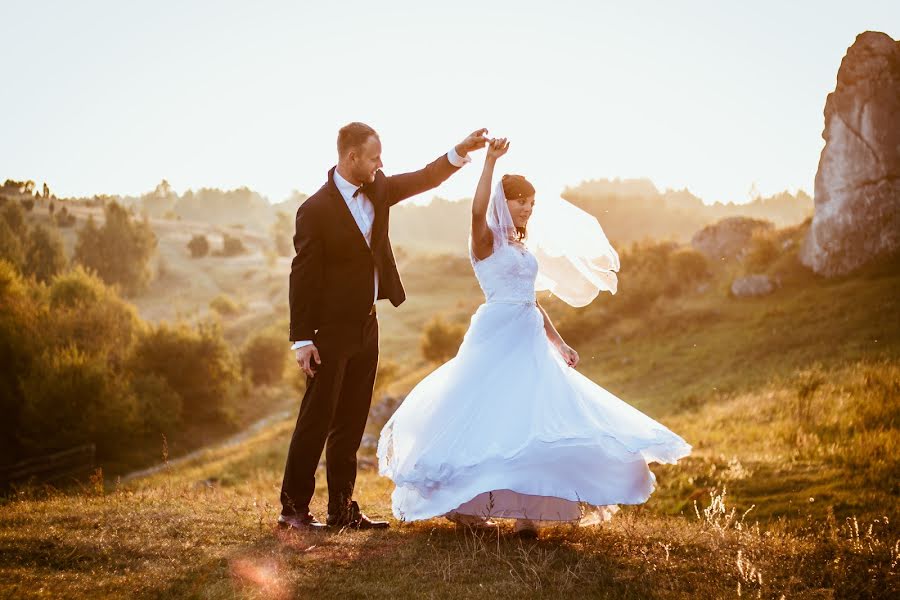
(520, 210)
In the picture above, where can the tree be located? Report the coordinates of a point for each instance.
(44, 254)
(14, 216)
(11, 247)
(119, 251)
(199, 246)
(264, 357)
(282, 234)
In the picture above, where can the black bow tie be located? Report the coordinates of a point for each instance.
(357, 192)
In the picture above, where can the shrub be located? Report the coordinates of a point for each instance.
(265, 356)
(158, 404)
(28, 204)
(44, 254)
(441, 340)
(15, 218)
(762, 252)
(11, 247)
(63, 218)
(119, 251)
(224, 305)
(73, 398)
(195, 363)
(231, 246)
(85, 312)
(199, 246)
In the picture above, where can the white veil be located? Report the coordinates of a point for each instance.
(575, 259)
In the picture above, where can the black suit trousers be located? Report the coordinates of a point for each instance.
(332, 416)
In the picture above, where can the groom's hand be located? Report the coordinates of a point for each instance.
(305, 357)
(474, 141)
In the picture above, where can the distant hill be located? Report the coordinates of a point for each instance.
(633, 209)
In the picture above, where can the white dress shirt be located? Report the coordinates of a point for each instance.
(364, 214)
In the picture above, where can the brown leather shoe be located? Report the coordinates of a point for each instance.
(354, 519)
(305, 522)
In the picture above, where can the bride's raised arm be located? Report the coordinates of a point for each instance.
(482, 238)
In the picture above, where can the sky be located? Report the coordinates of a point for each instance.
(713, 96)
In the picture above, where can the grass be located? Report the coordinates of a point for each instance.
(791, 402)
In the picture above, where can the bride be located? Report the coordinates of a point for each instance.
(508, 428)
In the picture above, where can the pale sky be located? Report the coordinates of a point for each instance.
(113, 96)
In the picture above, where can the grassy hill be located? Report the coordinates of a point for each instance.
(791, 402)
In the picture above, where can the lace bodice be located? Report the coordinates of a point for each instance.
(507, 275)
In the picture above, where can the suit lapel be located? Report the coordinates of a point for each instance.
(342, 211)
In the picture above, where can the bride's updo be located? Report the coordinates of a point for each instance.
(515, 187)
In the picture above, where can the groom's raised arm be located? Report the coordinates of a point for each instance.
(403, 186)
(306, 277)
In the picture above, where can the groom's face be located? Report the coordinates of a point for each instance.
(366, 160)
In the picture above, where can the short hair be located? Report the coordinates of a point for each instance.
(353, 135)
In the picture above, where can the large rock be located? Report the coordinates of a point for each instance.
(857, 190)
(728, 238)
(752, 285)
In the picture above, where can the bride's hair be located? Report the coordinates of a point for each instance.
(515, 187)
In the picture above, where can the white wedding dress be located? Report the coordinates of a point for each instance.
(507, 429)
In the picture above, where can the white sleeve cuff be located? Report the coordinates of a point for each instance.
(456, 160)
(300, 344)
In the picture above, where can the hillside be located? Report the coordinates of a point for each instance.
(790, 400)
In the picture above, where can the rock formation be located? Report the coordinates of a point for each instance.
(857, 188)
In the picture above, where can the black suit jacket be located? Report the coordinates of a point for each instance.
(332, 274)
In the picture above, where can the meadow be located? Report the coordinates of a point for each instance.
(790, 401)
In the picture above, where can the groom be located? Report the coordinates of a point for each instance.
(344, 264)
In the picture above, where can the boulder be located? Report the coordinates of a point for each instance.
(857, 187)
(752, 285)
(728, 238)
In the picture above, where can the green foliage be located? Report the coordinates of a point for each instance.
(119, 251)
(11, 247)
(73, 397)
(265, 356)
(158, 403)
(195, 363)
(199, 246)
(441, 340)
(14, 216)
(44, 254)
(86, 313)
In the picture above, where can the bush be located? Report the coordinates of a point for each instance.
(158, 404)
(762, 252)
(44, 254)
(63, 218)
(28, 204)
(199, 246)
(119, 251)
(83, 311)
(15, 218)
(441, 340)
(224, 305)
(265, 356)
(11, 247)
(75, 398)
(231, 246)
(195, 363)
